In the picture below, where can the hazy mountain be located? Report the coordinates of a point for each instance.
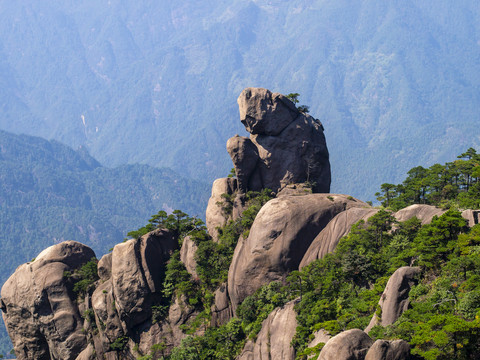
(50, 193)
(395, 83)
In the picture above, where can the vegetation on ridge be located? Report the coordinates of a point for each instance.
(455, 184)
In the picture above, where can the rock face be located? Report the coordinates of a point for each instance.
(394, 300)
(187, 255)
(273, 340)
(285, 146)
(279, 237)
(348, 345)
(42, 319)
(221, 309)
(338, 227)
(216, 214)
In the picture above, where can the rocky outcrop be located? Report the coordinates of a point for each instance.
(137, 266)
(41, 316)
(394, 300)
(389, 350)
(219, 209)
(278, 239)
(355, 344)
(472, 216)
(348, 345)
(327, 240)
(424, 213)
(285, 146)
(46, 320)
(273, 340)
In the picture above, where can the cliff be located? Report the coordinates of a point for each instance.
(270, 279)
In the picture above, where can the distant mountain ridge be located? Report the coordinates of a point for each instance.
(395, 84)
(50, 193)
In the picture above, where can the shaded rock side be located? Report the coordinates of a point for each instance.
(41, 318)
(472, 216)
(221, 309)
(389, 350)
(286, 146)
(279, 237)
(348, 345)
(273, 340)
(327, 240)
(123, 301)
(137, 266)
(394, 300)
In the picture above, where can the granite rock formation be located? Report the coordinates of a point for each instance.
(389, 350)
(394, 300)
(278, 239)
(273, 340)
(285, 145)
(348, 345)
(47, 320)
(327, 240)
(42, 319)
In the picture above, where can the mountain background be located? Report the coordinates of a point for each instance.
(50, 193)
(395, 84)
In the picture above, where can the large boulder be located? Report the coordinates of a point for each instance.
(394, 300)
(389, 350)
(279, 237)
(340, 226)
(274, 339)
(266, 113)
(348, 345)
(422, 212)
(40, 311)
(285, 146)
(187, 255)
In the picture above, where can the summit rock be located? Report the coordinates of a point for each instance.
(285, 146)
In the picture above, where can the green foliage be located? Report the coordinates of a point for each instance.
(227, 203)
(213, 258)
(455, 184)
(294, 98)
(83, 278)
(180, 223)
(255, 308)
(222, 343)
(232, 173)
(119, 344)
